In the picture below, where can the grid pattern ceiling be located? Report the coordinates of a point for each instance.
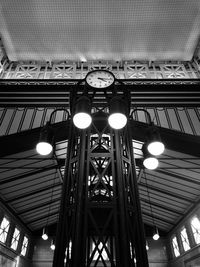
(100, 30)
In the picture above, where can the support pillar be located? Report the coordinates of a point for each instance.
(100, 218)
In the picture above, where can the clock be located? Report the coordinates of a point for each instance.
(100, 78)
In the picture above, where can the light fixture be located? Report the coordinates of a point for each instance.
(44, 146)
(156, 148)
(147, 246)
(118, 113)
(52, 245)
(154, 144)
(44, 234)
(156, 235)
(150, 162)
(82, 117)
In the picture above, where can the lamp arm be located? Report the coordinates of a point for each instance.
(53, 112)
(145, 111)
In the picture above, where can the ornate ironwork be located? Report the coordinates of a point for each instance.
(122, 70)
(100, 217)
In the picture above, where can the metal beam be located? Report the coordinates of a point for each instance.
(7, 208)
(174, 140)
(160, 206)
(180, 176)
(188, 213)
(167, 192)
(158, 198)
(121, 69)
(43, 217)
(157, 218)
(38, 206)
(54, 93)
(33, 192)
(162, 182)
(26, 140)
(27, 175)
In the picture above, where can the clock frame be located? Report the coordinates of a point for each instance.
(100, 79)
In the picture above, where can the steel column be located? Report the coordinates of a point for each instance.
(100, 218)
(140, 242)
(65, 214)
(123, 235)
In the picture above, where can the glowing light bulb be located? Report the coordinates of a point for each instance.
(82, 120)
(44, 236)
(156, 148)
(150, 163)
(44, 148)
(117, 120)
(156, 236)
(53, 246)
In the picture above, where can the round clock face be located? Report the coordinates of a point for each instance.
(100, 79)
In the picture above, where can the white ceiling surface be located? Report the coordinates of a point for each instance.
(100, 29)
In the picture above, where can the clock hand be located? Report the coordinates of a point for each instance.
(103, 79)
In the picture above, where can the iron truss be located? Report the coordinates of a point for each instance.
(144, 92)
(78, 70)
(121, 70)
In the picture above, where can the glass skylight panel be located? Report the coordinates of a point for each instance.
(4, 228)
(24, 246)
(15, 239)
(175, 246)
(195, 225)
(185, 240)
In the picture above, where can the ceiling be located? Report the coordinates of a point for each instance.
(116, 30)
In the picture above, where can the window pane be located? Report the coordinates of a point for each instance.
(184, 238)
(4, 228)
(100, 252)
(24, 246)
(195, 225)
(175, 247)
(15, 239)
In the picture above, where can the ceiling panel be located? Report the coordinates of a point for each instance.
(100, 30)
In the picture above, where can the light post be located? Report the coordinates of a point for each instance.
(100, 216)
